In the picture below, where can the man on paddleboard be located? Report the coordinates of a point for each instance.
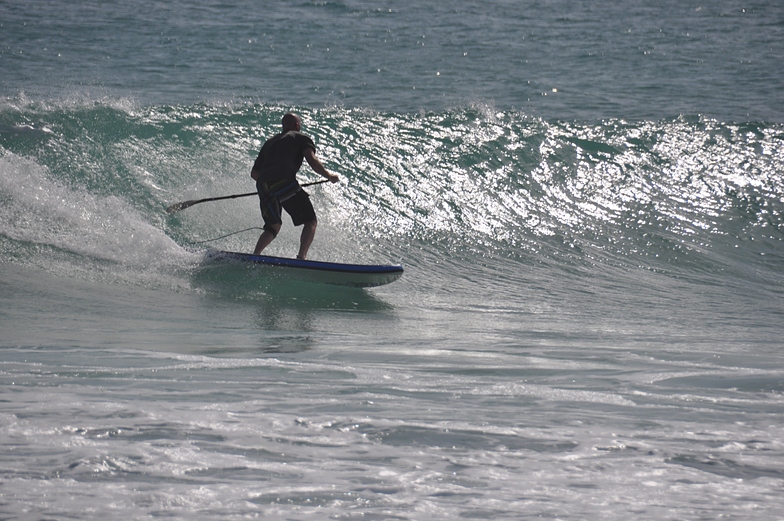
(275, 173)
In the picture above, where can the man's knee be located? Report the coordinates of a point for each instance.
(274, 229)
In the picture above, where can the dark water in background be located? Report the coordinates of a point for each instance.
(587, 199)
(555, 59)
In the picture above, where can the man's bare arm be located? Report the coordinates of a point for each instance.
(317, 166)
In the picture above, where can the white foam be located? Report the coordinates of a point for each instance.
(56, 218)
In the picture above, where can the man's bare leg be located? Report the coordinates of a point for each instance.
(264, 240)
(306, 239)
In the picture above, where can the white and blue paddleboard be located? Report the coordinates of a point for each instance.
(356, 275)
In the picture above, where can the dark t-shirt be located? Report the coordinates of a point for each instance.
(281, 156)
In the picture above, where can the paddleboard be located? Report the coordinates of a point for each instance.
(356, 275)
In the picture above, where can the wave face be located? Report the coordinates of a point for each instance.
(459, 196)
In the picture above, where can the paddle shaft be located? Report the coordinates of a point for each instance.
(187, 204)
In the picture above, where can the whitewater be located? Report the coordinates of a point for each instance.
(587, 201)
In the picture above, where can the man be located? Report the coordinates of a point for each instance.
(275, 173)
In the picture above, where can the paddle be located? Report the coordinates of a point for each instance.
(187, 204)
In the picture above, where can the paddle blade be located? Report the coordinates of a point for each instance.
(181, 206)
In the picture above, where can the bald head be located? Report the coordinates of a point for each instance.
(291, 121)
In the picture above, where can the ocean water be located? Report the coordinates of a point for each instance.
(587, 198)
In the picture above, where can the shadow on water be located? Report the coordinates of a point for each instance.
(289, 316)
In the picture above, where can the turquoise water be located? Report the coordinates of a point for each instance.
(587, 199)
